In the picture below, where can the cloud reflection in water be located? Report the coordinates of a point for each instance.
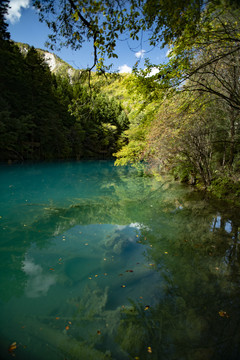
(38, 283)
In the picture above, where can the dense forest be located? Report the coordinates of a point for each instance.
(47, 116)
(183, 120)
(44, 116)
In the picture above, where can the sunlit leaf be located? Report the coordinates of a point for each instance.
(75, 16)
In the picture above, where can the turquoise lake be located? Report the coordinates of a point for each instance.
(97, 262)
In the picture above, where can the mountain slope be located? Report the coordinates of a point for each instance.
(55, 63)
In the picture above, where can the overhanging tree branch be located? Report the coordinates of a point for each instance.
(90, 28)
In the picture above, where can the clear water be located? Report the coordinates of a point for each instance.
(99, 263)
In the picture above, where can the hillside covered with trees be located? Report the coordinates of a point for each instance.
(184, 120)
(52, 116)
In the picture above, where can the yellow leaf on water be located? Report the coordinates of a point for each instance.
(12, 347)
(149, 349)
(223, 314)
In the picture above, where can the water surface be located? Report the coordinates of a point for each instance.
(99, 263)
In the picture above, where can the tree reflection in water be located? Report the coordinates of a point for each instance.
(122, 267)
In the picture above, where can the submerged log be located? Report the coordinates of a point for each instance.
(62, 343)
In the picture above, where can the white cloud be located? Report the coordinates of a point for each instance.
(15, 7)
(170, 53)
(154, 71)
(124, 69)
(140, 54)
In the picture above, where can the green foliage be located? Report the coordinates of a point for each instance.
(4, 34)
(225, 187)
(101, 120)
(183, 118)
(44, 116)
(31, 115)
(195, 135)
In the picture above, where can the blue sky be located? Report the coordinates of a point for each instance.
(25, 27)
